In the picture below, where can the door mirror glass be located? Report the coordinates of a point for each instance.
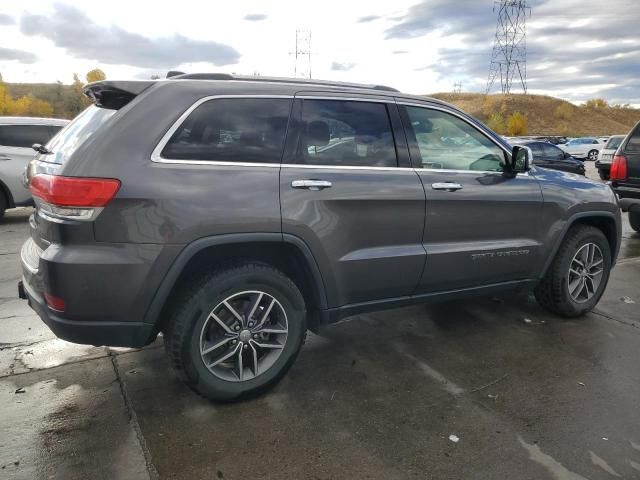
(521, 159)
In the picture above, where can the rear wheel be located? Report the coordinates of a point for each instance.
(634, 220)
(593, 155)
(578, 275)
(237, 331)
(3, 204)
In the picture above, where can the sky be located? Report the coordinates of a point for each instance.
(576, 49)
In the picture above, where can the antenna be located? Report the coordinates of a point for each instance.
(509, 56)
(302, 66)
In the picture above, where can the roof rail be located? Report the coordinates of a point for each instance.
(302, 81)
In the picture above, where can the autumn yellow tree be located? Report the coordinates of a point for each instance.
(30, 106)
(517, 124)
(496, 123)
(596, 103)
(95, 75)
(5, 100)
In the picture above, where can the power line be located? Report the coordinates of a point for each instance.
(509, 56)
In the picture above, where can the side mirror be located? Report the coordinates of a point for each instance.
(521, 159)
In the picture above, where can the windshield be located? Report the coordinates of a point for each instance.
(77, 132)
(613, 143)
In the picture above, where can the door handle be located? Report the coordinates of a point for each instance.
(311, 184)
(448, 186)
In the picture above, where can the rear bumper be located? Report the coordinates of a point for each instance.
(106, 289)
(630, 205)
(116, 334)
(626, 191)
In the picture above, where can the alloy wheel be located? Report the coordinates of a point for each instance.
(243, 336)
(585, 273)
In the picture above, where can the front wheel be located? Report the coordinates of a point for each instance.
(578, 275)
(634, 220)
(593, 155)
(3, 205)
(237, 331)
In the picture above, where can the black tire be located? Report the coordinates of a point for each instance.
(634, 220)
(3, 204)
(553, 292)
(603, 175)
(192, 308)
(592, 155)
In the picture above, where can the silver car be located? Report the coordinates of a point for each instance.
(17, 135)
(603, 164)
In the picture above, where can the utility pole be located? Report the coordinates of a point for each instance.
(509, 56)
(302, 66)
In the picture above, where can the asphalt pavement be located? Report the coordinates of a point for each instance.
(492, 388)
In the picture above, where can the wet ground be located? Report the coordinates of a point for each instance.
(493, 388)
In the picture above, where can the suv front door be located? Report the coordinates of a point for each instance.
(348, 191)
(481, 223)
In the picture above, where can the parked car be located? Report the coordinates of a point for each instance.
(547, 155)
(584, 147)
(603, 163)
(17, 135)
(243, 211)
(625, 175)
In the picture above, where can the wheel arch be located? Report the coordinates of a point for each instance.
(4, 191)
(603, 221)
(285, 252)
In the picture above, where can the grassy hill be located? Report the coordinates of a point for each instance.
(547, 115)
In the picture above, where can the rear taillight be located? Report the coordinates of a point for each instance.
(72, 198)
(618, 168)
(55, 303)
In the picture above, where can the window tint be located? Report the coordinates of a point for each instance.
(536, 149)
(445, 141)
(634, 142)
(24, 135)
(553, 153)
(232, 130)
(67, 141)
(345, 133)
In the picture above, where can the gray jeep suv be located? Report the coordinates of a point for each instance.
(232, 214)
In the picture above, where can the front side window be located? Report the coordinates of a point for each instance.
(445, 141)
(345, 133)
(536, 149)
(24, 135)
(248, 130)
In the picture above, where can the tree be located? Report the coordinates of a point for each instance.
(5, 100)
(74, 100)
(95, 75)
(496, 123)
(517, 124)
(596, 103)
(28, 105)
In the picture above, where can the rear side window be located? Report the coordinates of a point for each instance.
(553, 153)
(345, 133)
(67, 141)
(613, 143)
(634, 141)
(232, 130)
(24, 135)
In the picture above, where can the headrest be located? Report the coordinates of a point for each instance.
(423, 126)
(317, 133)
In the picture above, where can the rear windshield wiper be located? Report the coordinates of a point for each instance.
(41, 149)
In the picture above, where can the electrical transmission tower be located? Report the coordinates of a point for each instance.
(509, 57)
(457, 87)
(302, 66)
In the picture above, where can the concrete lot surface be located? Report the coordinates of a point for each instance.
(494, 388)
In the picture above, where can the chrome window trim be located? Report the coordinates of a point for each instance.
(156, 156)
(156, 153)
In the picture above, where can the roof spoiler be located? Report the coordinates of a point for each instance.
(115, 94)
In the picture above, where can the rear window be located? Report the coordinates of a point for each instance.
(248, 130)
(613, 143)
(24, 135)
(76, 133)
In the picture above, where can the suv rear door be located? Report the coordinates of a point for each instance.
(347, 190)
(481, 225)
(631, 150)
